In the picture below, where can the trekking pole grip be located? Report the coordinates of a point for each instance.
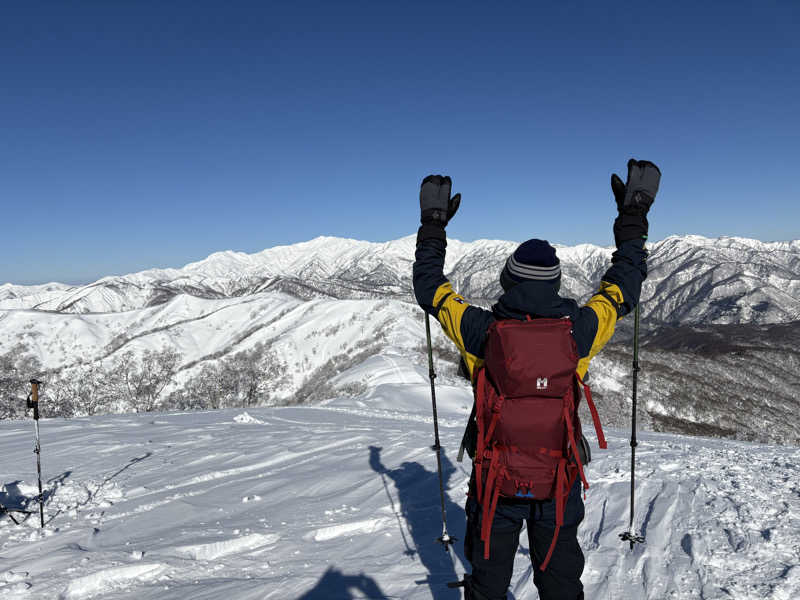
(33, 397)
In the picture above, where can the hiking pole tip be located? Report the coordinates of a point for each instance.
(447, 540)
(631, 537)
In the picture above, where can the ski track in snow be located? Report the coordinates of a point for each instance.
(106, 580)
(328, 533)
(340, 500)
(216, 550)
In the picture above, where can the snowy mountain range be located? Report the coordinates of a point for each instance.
(721, 324)
(692, 279)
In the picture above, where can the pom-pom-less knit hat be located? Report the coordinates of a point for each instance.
(534, 260)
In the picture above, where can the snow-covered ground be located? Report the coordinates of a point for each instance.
(340, 500)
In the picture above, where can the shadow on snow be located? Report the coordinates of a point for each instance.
(421, 515)
(335, 585)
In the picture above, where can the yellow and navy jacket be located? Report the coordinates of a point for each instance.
(592, 324)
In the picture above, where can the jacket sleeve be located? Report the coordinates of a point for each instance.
(464, 324)
(617, 295)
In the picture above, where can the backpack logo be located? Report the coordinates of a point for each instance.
(541, 383)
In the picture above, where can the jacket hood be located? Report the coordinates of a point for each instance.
(534, 298)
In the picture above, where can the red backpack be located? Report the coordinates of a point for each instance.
(526, 410)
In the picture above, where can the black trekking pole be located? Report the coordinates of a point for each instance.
(630, 535)
(445, 540)
(33, 402)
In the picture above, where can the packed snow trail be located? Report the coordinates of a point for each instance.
(341, 501)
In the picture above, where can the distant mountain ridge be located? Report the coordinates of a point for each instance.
(692, 279)
(291, 324)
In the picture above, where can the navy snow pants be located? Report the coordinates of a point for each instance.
(490, 578)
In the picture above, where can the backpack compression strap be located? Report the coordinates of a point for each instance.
(601, 439)
(488, 494)
(562, 490)
(480, 446)
(573, 448)
(484, 437)
(494, 481)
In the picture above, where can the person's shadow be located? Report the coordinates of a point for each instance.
(421, 509)
(335, 585)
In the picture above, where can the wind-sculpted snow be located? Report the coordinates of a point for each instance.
(692, 279)
(341, 501)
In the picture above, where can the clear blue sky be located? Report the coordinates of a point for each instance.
(152, 133)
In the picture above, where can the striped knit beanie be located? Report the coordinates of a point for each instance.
(534, 260)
